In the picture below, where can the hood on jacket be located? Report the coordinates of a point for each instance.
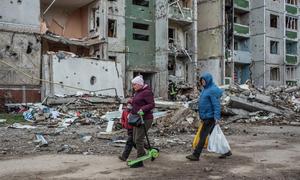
(208, 79)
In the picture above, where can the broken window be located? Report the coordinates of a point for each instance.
(274, 20)
(186, 40)
(291, 23)
(140, 26)
(94, 20)
(293, 2)
(171, 35)
(112, 28)
(274, 74)
(274, 47)
(290, 73)
(112, 58)
(141, 2)
(235, 45)
(235, 19)
(140, 37)
(291, 47)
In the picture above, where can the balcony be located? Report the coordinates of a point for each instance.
(290, 34)
(242, 5)
(183, 14)
(291, 83)
(291, 59)
(241, 30)
(243, 57)
(291, 9)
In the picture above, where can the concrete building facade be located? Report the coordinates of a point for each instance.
(161, 42)
(275, 46)
(157, 39)
(20, 51)
(250, 39)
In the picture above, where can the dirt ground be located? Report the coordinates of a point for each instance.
(259, 152)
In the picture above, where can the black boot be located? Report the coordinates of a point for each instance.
(193, 157)
(137, 165)
(122, 158)
(223, 156)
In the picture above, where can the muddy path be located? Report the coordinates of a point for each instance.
(262, 152)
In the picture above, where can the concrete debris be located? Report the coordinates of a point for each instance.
(111, 116)
(248, 104)
(109, 127)
(292, 89)
(41, 140)
(180, 121)
(241, 103)
(263, 99)
(86, 138)
(20, 126)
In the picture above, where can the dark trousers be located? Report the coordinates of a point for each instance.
(129, 144)
(208, 126)
(139, 137)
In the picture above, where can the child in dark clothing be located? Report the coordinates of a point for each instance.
(129, 143)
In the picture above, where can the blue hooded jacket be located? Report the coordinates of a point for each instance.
(209, 105)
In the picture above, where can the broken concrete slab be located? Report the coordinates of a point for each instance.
(111, 116)
(93, 99)
(263, 99)
(235, 111)
(292, 89)
(109, 127)
(237, 102)
(20, 126)
(235, 118)
(167, 104)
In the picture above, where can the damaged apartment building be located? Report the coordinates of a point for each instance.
(250, 39)
(20, 51)
(62, 47)
(161, 42)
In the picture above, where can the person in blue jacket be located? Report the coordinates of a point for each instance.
(209, 108)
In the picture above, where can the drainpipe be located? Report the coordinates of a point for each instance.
(232, 44)
(284, 46)
(195, 34)
(264, 81)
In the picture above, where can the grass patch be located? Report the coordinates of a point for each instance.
(12, 118)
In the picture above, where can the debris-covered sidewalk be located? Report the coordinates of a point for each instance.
(88, 124)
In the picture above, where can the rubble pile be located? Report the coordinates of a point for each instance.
(182, 120)
(77, 111)
(247, 104)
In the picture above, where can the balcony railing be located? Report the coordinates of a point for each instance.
(243, 57)
(291, 9)
(291, 82)
(291, 59)
(241, 4)
(185, 14)
(241, 30)
(291, 34)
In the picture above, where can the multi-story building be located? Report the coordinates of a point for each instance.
(157, 39)
(250, 39)
(161, 41)
(182, 40)
(20, 51)
(275, 47)
(239, 50)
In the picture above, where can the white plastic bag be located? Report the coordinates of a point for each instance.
(217, 142)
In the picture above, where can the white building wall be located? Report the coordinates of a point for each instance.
(77, 72)
(20, 16)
